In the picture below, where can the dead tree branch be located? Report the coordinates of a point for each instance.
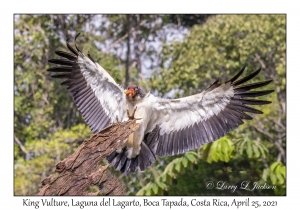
(277, 141)
(28, 156)
(81, 169)
(124, 36)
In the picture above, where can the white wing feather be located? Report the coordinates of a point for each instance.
(107, 91)
(173, 115)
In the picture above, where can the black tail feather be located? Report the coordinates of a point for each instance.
(141, 162)
(122, 162)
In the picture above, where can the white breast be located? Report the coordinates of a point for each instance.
(143, 111)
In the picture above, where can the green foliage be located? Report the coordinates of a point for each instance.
(47, 152)
(219, 48)
(253, 148)
(276, 173)
(220, 150)
(178, 165)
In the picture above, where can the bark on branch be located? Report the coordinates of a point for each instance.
(81, 169)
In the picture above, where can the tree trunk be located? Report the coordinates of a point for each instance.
(127, 77)
(81, 169)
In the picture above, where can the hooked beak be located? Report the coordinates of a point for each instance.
(129, 92)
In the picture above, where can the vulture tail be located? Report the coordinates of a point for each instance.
(140, 162)
(128, 165)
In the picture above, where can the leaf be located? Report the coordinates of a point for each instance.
(265, 175)
(249, 149)
(160, 184)
(274, 166)
(169, 178)
(206, 150)
(155, 188)
(190, 157)
(141, 192)
(213, 151)
(178, 166)
(277, 169)
(265, 149)
(160, 191)
(255, 150)
(224, 148)
(149, 189)
(262, 150)
(273, 178)
(242, 145)
(280, 178)
(184, 161)
(194, 153)
(283, 171)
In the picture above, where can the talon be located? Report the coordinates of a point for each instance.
(117, 119)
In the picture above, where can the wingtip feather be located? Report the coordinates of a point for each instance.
(71, 48)
(238, 74)
(246, 78)
(75, 42)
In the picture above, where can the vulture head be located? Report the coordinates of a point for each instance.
(134, 92)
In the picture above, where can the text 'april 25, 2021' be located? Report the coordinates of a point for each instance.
(130, 203)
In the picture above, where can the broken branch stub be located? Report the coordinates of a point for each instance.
(81, 169)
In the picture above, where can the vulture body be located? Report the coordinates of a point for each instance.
(167, 126)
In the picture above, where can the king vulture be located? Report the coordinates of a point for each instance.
(167, 126)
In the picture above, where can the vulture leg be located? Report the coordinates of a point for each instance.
(131, 117)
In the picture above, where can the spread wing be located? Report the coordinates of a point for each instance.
(184, 124)
(98, 97)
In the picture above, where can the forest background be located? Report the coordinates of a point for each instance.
(171, 56)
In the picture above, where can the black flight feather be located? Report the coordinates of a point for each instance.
(237, 75)
(71, 48)
(67, 55)
(247, 78)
